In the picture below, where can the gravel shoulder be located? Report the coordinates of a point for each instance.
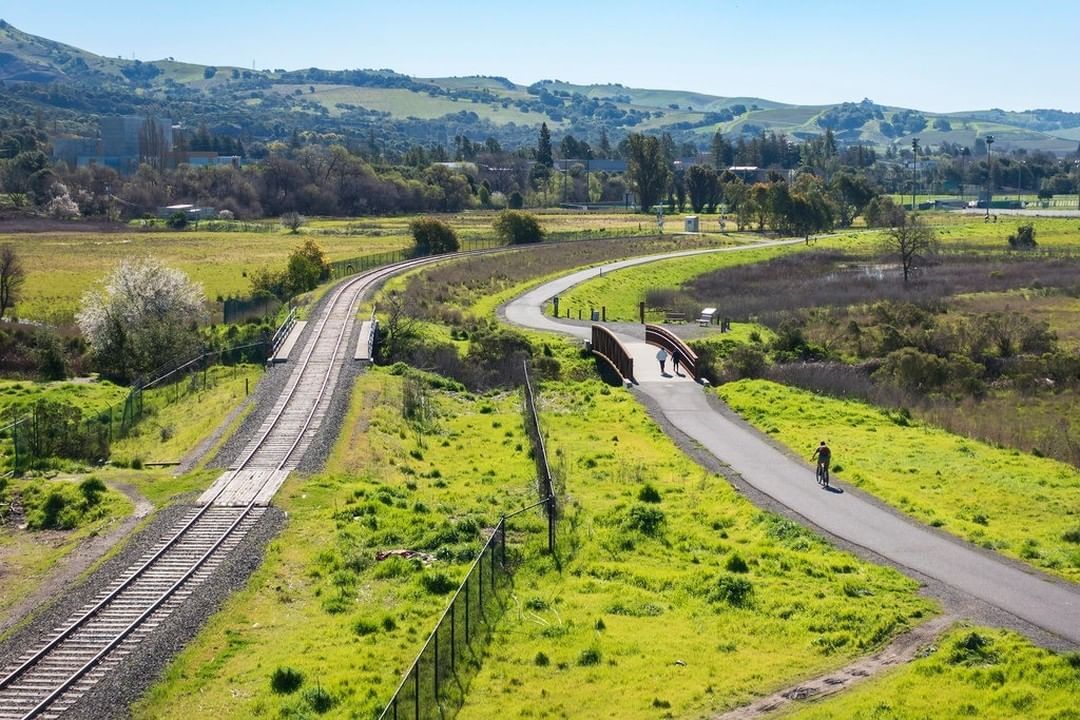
(79, 560)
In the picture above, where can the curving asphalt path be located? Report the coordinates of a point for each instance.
(1048, 603)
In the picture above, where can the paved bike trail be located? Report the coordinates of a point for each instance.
(1048, 603)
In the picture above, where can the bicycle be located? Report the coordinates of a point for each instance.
(823, 475)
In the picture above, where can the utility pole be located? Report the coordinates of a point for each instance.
(914, 172)
(989, 174)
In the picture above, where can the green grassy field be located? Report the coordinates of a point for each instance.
(1017, 504)
(61, 267)
(168, 431)
(386, 486)
(662, 597)
(970, 672)
(28, 556)
(89, 397)
(718, 603)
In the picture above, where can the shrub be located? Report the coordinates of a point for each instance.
(972, 649)
(644, 519)
(734, 591)
(589, 656)
(433, 236)
(648, 494)
(518, 228)
(363, 627)
(177, 221)
(745, 362)
(293, 221)
(91, 489)
(437, 583)
(1072, 536)
(1023, 238)
(736, 564)
(516, 202)
(541, 660)
(285, 680)
(319, 699)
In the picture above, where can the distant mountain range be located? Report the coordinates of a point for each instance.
(69, 88)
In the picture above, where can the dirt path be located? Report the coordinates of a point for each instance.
(902, 650)
(196, 454)
(80, 559)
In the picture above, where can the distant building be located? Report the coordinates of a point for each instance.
(193, 213)
(124, 142)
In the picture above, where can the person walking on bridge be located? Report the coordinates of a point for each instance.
(661, 356)
(676, 358)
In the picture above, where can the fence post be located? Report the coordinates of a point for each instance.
(416, 689)
(466, 609)
(551, 520)
(435, 637)
(453, 635)
(15, 445)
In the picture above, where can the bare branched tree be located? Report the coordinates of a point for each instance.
(912, 240)
(12, 277)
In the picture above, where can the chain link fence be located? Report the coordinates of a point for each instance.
(48, 429)
(433, 687)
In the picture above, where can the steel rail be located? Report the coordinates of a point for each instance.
(364, 280)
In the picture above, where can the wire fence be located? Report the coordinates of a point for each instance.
(434, 686)
(545, 487)
(48, 429)
(351, 266)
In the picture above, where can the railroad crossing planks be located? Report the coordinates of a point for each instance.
(240, 487)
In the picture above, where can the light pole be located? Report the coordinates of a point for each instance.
(989, 174)
(1019, 168)
(914, 171)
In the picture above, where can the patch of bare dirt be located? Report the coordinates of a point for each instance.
(902, 650)
(80, 559)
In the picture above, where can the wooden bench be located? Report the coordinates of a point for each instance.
(674, 317)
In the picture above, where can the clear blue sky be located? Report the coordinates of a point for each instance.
(938, 56)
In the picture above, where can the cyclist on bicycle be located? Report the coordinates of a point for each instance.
(823, 455)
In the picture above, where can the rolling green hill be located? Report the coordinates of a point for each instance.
(70, 87)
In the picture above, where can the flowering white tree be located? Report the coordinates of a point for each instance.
(61, 206)
(142, 316)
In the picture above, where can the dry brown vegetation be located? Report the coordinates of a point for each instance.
(836, 279)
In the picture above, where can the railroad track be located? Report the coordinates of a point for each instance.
(47, 681)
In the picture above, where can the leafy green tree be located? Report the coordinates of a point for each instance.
(518, 228)
(851, 194)
(516, 201)
(543, 147)
(647, 169)
(433, 236)
(701, 185)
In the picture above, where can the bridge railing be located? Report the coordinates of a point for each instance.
(662, 337)
(607, 347)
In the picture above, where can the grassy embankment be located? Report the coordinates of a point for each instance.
(697, 576)
(974, 673)
(27, 554)
(320, 603)
(1017, 504)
